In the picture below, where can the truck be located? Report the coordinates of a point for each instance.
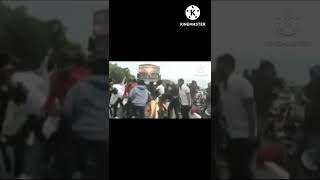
(99, 40)
(149, 73)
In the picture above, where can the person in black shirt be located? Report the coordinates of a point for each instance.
(193, 89)
(151, 87)
(173, 94)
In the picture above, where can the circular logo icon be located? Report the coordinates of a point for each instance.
(287, 26)
(192, 12)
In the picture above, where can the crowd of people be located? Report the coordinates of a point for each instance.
(55, 127)
(241, 106)
(157, 100)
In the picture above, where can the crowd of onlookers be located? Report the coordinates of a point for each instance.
(157, 100)
(55, 125)
(241, 106)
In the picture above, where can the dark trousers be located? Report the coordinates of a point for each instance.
(240, 153)
(139, 111)
(128, 109)
(174, 104)
(83, 149)
(61, 144)
(18, 143)
(185, 112)
(115, 107)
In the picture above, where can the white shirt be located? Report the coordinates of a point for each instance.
(115, 97)
(160, 89)
(38, 90)
(233, 109)
(120, 89)
(183, 91)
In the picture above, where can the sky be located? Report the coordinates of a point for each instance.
(242, 28)
(77, 16)
(175, 70)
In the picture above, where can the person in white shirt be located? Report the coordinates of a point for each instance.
(116, 98)
(160, 88)
(238, 109)
(185, 99)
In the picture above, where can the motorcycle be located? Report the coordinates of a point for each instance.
(282, 122)
(200, 101)
(285, 126)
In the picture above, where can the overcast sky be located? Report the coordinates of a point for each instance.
(241, 28)
(175, 70)
(77, 16)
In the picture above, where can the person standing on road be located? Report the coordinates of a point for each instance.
(139, 97)
(109, 86)
(160, 92)
(85, 111)
(132, 84)
(185, 99)
(127, 108)
(193, 89)
(153, 107)
(160, 88)
(174, 101)
(116, 98)
(311, 124)
(12, 100)
(68, 75)
(238, 109)
(151, 87)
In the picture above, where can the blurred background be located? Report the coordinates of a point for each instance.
(48, 49)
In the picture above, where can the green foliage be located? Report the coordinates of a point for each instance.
(118, 73)
(29, 38)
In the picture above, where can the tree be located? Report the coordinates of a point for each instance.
(118, 73)
(28, 38)
(166, 81)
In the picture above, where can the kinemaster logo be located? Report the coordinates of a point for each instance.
(192, 13)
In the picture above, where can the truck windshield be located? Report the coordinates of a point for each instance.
(148, 76)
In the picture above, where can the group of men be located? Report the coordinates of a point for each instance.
(240, 121)
(151, 98)
(71, 110)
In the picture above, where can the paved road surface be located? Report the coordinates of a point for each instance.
(260, 173)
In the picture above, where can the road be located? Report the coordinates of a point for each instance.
(269, 171)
